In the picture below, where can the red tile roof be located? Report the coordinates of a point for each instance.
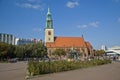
(88, 44)
(68, 42)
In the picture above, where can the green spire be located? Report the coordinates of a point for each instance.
(49, 14)
(49, 24)
(48, 11)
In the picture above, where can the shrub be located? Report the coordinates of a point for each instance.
(38, 68)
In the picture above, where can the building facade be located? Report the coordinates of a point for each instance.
(49, 31)
(54, 42)
(22, 41)
(7, 38)
(103, 47)
(113, 51)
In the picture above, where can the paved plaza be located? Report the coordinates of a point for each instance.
(104, 72)
(17, 71)
(13, 71)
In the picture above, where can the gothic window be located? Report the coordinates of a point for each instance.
(49, 33)
(49, 39)
(50, 52)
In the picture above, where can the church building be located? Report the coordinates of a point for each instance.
(54, 42)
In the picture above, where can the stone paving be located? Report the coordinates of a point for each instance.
(104, 72)
(17, 71)
(13, 71)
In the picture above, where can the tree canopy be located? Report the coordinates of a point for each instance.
(99, 52)
(59, 52)
(34, 50)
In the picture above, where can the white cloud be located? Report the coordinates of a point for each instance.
(119, 19)
(29, 5)
(92, 24)
(82, 26)
(72, 4)
(33, 4)
(36, 1)
(36, 29)
(32, 0)
(117, 1)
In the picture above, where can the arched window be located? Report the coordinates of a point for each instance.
(50, 53)
(49, 39)
(49, 32)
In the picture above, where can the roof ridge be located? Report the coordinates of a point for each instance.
(66, 37)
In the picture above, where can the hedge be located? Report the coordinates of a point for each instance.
(39, 68)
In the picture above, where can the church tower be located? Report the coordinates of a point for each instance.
(49, 31)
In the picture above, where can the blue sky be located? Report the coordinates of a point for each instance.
(97, 20)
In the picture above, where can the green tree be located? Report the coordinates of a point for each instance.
(99, 52)
(6, 51)
(29, 50)
(3, 50)
(19, 52)
(36, 50)
(39, 50)
(11, 51)
(59, 52)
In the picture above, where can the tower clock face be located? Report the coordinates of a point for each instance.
(49, 32)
